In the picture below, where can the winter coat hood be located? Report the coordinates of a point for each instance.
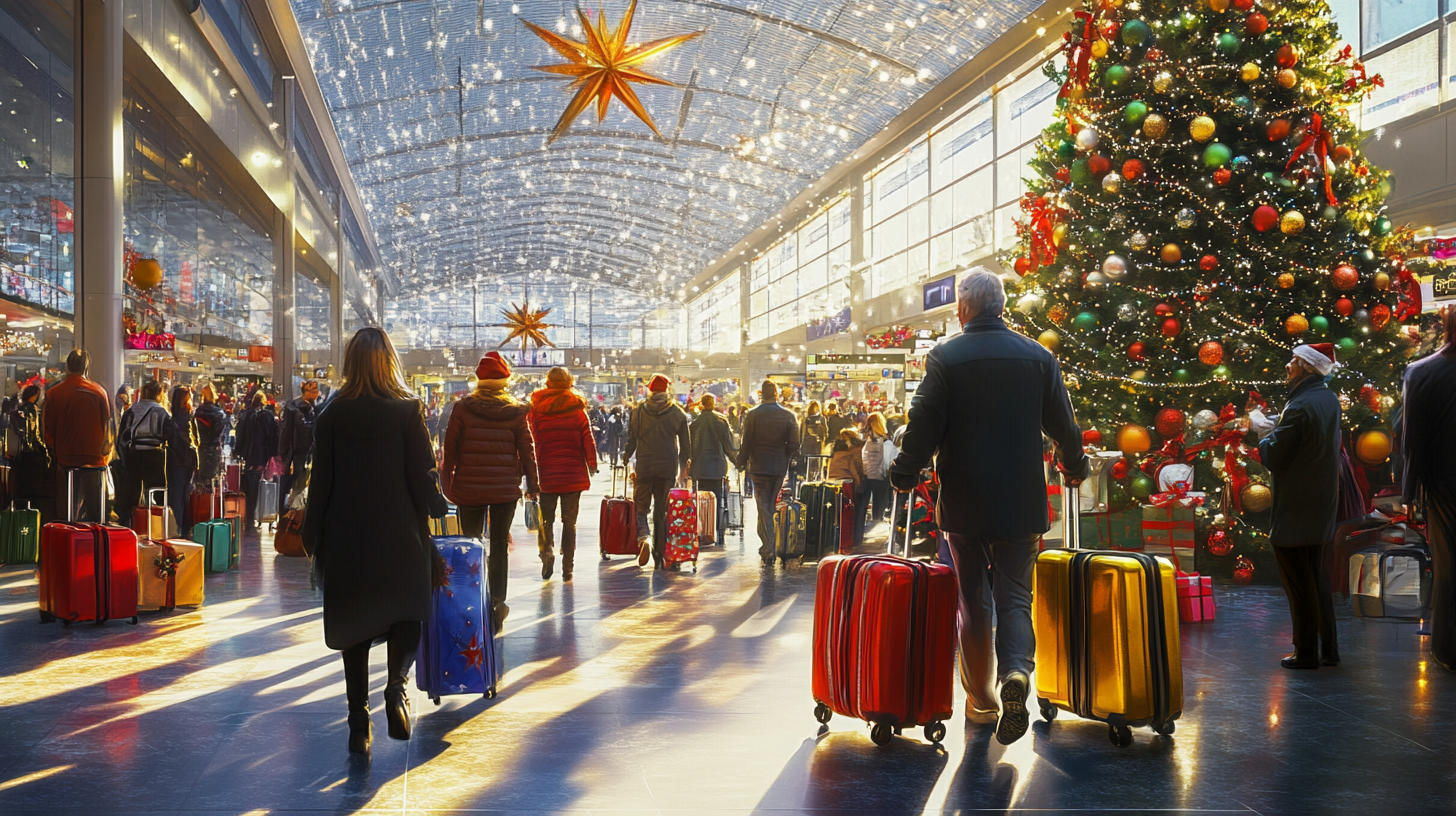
(495, 406)
(658, 402)
(551, 401)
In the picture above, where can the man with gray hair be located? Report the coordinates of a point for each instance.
(988, 396)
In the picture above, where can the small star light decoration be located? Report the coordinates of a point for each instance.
(604, 66)
(528, 325)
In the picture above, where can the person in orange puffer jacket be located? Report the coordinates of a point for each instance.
(488, 448)
(566, 457)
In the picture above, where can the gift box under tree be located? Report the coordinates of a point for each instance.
(1168, 531)
(1195, 598)
(1112, 531)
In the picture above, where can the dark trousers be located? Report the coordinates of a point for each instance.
(286, 481)
(250, 479)
(88, 501)
(403, 639)
(651, 495)
(497, 560)
(719, 488)
(570, 506)
(179, 489)
(877, 491)
(1311, 607)
(993, 576)
(145, 470)
(766, 498)
(1441, 534)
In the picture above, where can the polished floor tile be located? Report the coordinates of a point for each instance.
(629, 691)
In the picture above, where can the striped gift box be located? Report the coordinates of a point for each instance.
(1168, 531)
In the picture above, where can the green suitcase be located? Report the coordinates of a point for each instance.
(219, 547)
(19, 536)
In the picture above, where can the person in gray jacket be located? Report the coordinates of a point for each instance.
(1303, 455)
(712, 450)
(770, 440)
(658, 436)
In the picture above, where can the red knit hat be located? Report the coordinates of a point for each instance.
(493, 367)
(658, 383)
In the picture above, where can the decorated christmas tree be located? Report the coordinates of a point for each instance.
(1200, 206)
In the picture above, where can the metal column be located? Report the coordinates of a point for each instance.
(339, 293)
(284, 254)
(98, 187)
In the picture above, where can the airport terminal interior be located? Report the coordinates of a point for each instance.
(748, 295)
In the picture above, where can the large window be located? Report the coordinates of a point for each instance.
(1382, 21)
(803, 277)
(716, 319)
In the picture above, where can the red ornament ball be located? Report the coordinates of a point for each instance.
(1092, 436)
(1345, 307)
(1098, 165)
(1163, 310)
(1171, 327)
(1110, 28)
(1287, 56)
(1220, 543)
(1022, 265)
(1222, 176)
(1120, 469)
(1132, 169)
(1243, 5)
(1208, 263)
(1169, 422)
(1266, 218)
(1064, 175)
(1154, 54)
(1256, 23)
(1344, 277)
(1342, 154)
(1211, 353)
(1243, 570)
(1379, 317)
(1278, 130)
(1137, 351)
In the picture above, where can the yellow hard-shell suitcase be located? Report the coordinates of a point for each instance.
(1107, 637)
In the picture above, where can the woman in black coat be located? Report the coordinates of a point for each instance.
(182, 443)
(370, 499)
(1428, 439)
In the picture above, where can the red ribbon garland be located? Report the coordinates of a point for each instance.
(1408, 292)
(1041, 249)
(1079, 57)
(1316, 138)
(1232, 441)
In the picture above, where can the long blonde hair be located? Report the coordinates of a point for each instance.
(876, 423)
(372, 368)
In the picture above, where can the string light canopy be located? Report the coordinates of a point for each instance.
(445, 126)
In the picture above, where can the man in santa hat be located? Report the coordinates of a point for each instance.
(1302, 453)
(658, 436)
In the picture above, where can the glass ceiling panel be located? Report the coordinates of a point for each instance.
(444, 125)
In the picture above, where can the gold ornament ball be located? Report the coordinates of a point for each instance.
(1373, 448)
(1219, 6)
(1286, 280)
(1099, 49)
(1155, 126)
(1291, 222)
(1256, 498)
(1059, 235)
(1133, 439)
(1382, 281)
(1296, 325)
(1287, 78)
(1050, 339)
(1202, 129)
(1162, 82)
(1139, 375)
(1172, 254)
(1249, 72)
(146, 273)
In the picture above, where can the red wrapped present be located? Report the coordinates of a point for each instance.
(1195, 598)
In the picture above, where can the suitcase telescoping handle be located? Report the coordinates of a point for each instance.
(909, 502)
(1071, 515)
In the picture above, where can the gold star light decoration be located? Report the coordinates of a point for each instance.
(526, 324)
(605, 65)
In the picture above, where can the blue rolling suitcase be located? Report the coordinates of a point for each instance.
(457, 647)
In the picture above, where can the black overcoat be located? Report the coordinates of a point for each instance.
(370, 497)
(1303, 456)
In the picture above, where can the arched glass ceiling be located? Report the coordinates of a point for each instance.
(445, 125)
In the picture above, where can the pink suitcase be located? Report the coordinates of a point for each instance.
(88, 572)
(618, 524)
(682, 528)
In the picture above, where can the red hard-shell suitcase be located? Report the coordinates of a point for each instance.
(88, 572)
(618, 523)
(884, 643)
(682, 528)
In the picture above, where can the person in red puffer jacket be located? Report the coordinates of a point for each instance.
(566, 458)
(487, 450)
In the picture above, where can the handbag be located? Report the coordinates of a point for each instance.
(533, 515)
(288, 538)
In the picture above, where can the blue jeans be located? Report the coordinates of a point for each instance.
(993, 574)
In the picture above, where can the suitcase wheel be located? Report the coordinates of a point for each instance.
(935, 732)
(134, 617)
(490, 694)
(65, 622)
(435, 700)
(881, 734)
(1048, 711)
(822, 713)
(1119, 735)
(46, 617)
(1166, 729)
(605, 557)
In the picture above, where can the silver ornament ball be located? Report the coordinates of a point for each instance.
(1087, 138)
(1185, 218)
(1114, 267)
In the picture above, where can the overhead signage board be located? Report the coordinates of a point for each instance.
(837, 323)
(939, 293)
(855, 367)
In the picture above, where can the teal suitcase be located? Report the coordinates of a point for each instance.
(19, 536)
(219, 546)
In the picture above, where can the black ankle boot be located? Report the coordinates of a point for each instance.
(396, 698)
(356, 690)
(361, 732)
(397, 711)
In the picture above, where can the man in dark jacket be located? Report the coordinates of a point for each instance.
(142, 439)
(988, 397)
(1303, 455)
(295, 439)
(658, 436)
(257, 429)
(712, 450)
(770, 440)
(213, 425)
